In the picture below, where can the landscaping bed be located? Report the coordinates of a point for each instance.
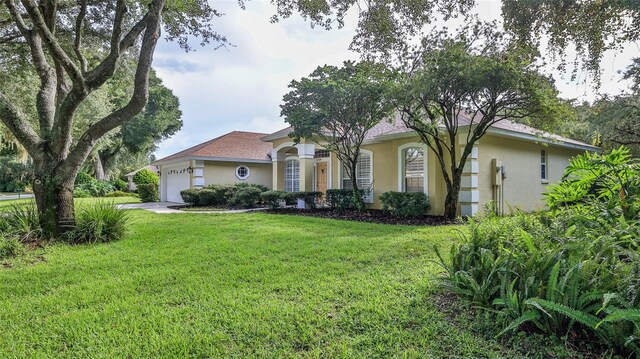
(369, 215)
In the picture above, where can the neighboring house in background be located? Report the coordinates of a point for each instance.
(130, 184)
(392, 159)
(231, 158)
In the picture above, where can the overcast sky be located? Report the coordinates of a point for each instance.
(241, 87)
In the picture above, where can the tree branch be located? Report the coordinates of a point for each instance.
(77, 43)
(104, 71)
(45, 101)
(52, 44)
(16, 122)
(138, 99)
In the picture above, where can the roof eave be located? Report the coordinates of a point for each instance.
(209, 158)
(540, 139)
(273, 137)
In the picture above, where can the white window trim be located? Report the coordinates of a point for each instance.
(248, 172)
(291, 158)
(341, 178)
(401, 165)
(544, 179)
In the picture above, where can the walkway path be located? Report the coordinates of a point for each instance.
(163, 207)
(4, 197)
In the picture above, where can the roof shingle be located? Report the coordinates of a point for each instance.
(233, 145)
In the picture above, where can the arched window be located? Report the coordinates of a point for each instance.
(364, 175)
(291, 175)
(412, 169)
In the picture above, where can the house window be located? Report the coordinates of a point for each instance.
(364, 176)
(322, 154)
(413, 169)
(292, 176)
(242, 172)
(543, 165)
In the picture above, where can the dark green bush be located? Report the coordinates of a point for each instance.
(343, 199)
(207, 197)
(121, 194)
(262, 188)
(120, 185)
(190, 196)
(80, 193)
(96, 188)
(148, 192)
(9, 247)
(14, 175)
(401, 204)
(99, 222)
(144, 176)
(83, 178)
(222, 193)
(245, 197)
(273, 199)
(311, 199)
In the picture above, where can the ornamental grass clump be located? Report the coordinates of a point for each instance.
(99, 222)
(22, 222)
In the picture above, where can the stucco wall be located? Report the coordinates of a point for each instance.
(225, 172)
(523, 187)
(386, 169)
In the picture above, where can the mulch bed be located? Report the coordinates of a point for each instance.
(370, 215)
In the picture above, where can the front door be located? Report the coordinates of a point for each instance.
(321, 176)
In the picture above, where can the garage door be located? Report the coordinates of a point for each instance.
(176, 182)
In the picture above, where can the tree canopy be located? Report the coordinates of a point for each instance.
(462, 86)
(338, 106)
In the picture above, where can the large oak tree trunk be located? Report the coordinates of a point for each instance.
(54, 199)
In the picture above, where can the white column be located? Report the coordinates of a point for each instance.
(469, 197)
(197, 174)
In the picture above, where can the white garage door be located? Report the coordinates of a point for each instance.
(176, 182)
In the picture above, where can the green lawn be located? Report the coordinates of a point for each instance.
(256, 285)
(6, 204)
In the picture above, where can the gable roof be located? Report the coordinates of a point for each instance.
(233, 146)
(396, 128)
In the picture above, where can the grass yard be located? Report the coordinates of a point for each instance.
(257, 285)
(6, 204)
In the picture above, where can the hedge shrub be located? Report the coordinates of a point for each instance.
(190, 196)
(343, 199)
(273, 199)
(246, 197)
(119, 184)
(401, 204)
(144, 176)
(148, 192)
(311, 199)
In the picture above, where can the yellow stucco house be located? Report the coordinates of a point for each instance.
(512, 164)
